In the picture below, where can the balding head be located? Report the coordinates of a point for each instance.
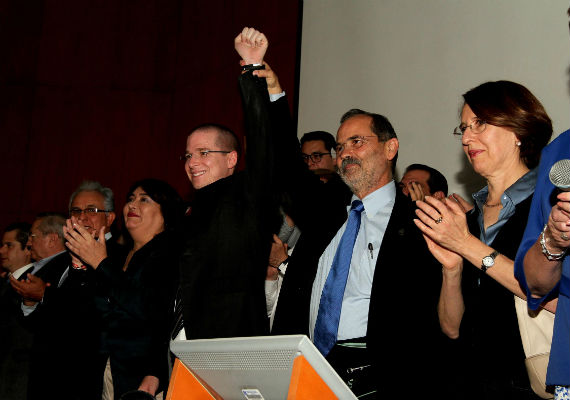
(212, 153)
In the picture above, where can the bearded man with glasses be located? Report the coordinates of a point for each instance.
(361, 299)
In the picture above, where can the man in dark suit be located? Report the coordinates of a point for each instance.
(15, 340)
(380, 330)
(51, 260)
(233, 214)
(82, 298)
(67, 323)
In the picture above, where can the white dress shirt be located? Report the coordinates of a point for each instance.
(355, 303)
(17, 273)
(38, 265)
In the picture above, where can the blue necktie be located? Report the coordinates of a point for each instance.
(326, 327)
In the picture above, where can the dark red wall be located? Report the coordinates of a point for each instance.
(108, 90)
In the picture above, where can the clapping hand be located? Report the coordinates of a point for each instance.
(84, 245)
(444, 226)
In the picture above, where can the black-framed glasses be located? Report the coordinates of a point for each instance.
(354, 142)
(89, 211)
(477, 126)
(314, 157)
(201, 154)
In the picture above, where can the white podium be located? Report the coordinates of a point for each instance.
(254, 368)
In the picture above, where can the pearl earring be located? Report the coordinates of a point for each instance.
(518, 144)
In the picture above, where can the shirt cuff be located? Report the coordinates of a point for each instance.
(275, 97)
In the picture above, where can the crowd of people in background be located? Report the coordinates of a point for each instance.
(404, 288)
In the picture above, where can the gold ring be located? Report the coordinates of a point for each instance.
(438, 221)
(564, 236)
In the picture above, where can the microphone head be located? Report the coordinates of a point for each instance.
(560, 175)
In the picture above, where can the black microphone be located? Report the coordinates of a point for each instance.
(560, 175)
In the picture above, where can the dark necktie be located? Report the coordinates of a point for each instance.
(326, 327)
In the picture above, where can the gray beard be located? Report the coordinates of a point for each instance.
(341, 171)
(357, 184)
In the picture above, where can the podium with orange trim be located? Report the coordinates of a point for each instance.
(268, 367)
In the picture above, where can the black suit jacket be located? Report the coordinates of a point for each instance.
(493, 351)
(136, 308)
(68, 333)
(16, 343)
(46, 325)
(51, 272)
(403, 325)
(229, 233)
(403, 336)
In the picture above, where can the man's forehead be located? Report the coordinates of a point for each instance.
(416, 174)
(36, 224)
(9, 236)
(314, 145)
(358, 125)
(202, 138)
(87, 199)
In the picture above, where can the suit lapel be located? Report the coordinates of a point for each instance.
(396, 232)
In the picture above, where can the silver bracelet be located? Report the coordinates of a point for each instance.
(545, 251)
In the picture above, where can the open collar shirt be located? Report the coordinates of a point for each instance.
(514, 194)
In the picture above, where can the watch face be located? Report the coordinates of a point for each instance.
(488, 261)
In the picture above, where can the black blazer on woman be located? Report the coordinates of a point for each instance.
(493, 354)
(137, 308)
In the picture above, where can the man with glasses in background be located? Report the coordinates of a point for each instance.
(16, 340)
(91, 206)
(316, 149)
(67, 322)
(50, 261)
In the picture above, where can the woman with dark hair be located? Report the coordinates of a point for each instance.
(137, 289)
(503, 129)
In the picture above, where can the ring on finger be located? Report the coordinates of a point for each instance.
(564, 236)
(439, 220)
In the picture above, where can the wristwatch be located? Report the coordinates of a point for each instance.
(488, 261)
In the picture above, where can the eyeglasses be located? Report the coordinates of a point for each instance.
(354, 143)
(477, 126)
(89, 211)
(202, 154)
(314, 157)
